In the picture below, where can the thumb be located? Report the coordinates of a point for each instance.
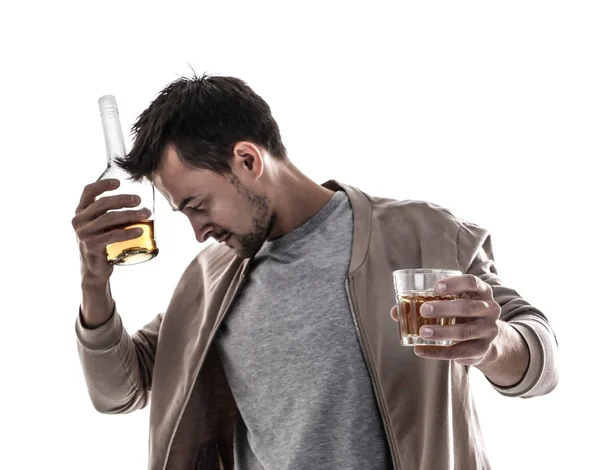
(394, 313)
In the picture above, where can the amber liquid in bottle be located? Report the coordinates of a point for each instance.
(142, 248)
(138, 250)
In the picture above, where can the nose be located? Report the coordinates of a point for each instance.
(201, 226)
(203, 233)
(202, 230)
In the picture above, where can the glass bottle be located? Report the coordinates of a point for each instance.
(142, 248)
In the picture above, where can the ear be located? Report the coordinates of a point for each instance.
(247, 159)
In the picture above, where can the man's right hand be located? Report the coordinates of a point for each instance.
(96, 227)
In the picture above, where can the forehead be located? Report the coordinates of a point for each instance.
(177, 181)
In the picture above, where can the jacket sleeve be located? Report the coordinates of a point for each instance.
(117, 366)
(475, 256)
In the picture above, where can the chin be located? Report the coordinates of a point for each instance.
(242, 248)
(237, 250)
(243, 254)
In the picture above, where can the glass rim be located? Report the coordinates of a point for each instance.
(427, 271)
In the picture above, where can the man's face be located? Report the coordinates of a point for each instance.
(217, 206)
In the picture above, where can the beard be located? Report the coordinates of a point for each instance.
(262, 222)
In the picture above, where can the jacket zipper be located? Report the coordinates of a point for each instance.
(197, 371)
(373, 385)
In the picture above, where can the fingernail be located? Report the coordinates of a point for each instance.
(426, 332)
(440, 287)
(426, 310)
(114, 183)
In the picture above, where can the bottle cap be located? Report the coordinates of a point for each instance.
(108, 103)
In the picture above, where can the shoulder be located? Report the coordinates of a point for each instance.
(424, 215)
(430, 227)
(425, 220)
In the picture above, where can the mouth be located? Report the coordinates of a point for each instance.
(224, 238)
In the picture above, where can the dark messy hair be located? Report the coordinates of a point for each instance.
(203, 118)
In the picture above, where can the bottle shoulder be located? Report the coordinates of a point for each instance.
(113, 171)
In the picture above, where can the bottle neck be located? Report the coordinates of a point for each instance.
(113, 135)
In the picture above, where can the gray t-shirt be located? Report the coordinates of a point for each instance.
(292, 357)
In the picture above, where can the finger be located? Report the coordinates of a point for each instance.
(102, 206)
(470, 361)
(467, 350)
(394, 312)
(470, 308)
(463, 332)
(109, 203)
(465, 283)
(111, 220)
(93, 190)
(97, 244)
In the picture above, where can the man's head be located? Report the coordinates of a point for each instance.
(204, 142)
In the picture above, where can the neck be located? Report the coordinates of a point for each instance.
(296, 198)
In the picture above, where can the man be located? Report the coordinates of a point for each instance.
(277, 350)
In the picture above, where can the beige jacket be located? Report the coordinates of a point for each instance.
(425, 405)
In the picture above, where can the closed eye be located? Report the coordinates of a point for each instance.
(199, 207)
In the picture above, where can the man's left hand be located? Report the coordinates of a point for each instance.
(476, 314)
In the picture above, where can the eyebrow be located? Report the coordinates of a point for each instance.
(182, 204)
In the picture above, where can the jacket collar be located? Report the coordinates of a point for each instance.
(363, 218)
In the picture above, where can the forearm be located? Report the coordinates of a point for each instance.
(525, 355)
(117, 366)
(97, 303)
(508, 357)
(117, 371)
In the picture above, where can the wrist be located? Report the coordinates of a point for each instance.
(507, 358)
(491, 356)
(97, 304)
(90, 281)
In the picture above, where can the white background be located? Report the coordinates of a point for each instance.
(491, 109)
